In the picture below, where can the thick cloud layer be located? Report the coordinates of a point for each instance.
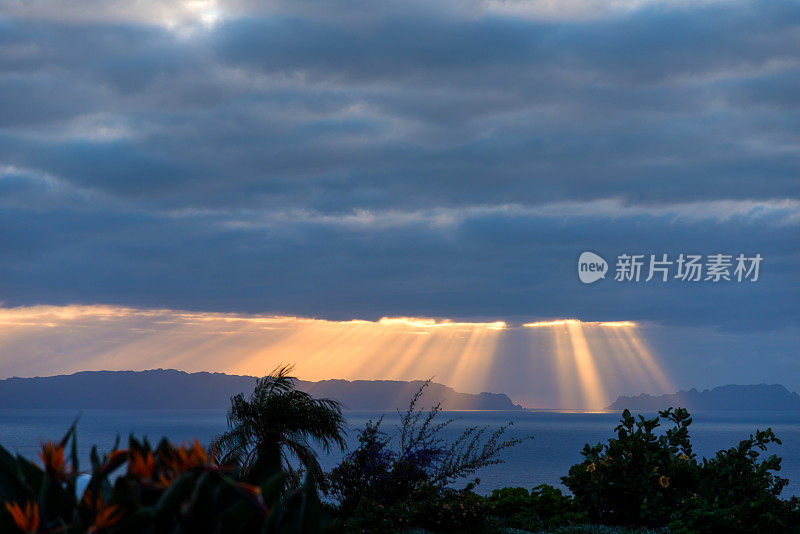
(363, 159)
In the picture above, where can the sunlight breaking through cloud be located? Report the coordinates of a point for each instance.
(591, 361)
(559, 322)
(591, 356)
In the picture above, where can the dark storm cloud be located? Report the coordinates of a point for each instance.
(514, 264)
(649, 46)
(351, 162)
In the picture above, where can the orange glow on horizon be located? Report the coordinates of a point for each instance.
(587, 361)
(559, 322)
(117, 338)
(433, 323)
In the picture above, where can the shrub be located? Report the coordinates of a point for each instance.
(448, 510)
(543, 508)
(391, 481)
(739, 493)
(640, 478)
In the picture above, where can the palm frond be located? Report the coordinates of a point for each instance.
(278, 413)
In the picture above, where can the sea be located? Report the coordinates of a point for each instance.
(558, 437)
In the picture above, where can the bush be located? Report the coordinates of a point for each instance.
(640, 478)
(739, 493)
(380, 487)
(543, 508)
(428, 509)
(448, 510)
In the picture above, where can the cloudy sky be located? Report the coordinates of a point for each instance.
(354, 160)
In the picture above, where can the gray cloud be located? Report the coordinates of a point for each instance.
(398, 158)
(512, 262)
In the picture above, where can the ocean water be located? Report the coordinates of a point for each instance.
(557, 440)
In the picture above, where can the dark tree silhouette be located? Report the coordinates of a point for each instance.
(281, 421)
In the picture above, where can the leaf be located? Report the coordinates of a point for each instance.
(175, 494)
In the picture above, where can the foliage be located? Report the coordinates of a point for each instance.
(645, 479)
(640, 477)
(164, 489)
(389, 481)
(428, 509)
(448, 510)
(543, 508)
(739, 493)
(278, 416)
(638, 481)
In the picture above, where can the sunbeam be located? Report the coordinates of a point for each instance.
(578, 364)
(593, 356)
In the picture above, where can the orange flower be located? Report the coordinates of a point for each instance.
(26, 520)
(663, 481)
(142, 466)
(88, 498)
(684, 457)
(178, 460)
(117, 455)
(52, 456)
(255, 493)
(104, 515)
(250, 489)
(591, 467)
(195, 456)
(115, 459)
(185, 458)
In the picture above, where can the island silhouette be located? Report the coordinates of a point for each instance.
(171, 389)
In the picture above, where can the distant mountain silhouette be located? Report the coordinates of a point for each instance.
(391, 394)
(731, 397)
(170, 389)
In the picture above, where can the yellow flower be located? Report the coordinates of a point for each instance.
(26, 520)
(684, 457)
(591, 467)
(663, 481)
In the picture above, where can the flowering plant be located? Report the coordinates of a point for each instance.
(169, 488)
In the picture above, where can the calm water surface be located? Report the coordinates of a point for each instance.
(558, 436)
